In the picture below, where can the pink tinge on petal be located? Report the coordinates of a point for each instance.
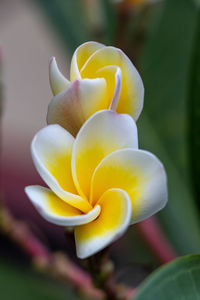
(73, 106)
(57, 80)
(118, 85)
(65, 109)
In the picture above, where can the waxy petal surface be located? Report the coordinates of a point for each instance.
(137, 172)
(73, 106)
(105, 132)
(132, 91)
(51, 151)
(57, 81)
(113, 77)
(57, 211)
(111, 223)
(80, 57)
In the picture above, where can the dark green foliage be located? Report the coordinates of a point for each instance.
(178, 280)
(166, 62)
(20, 284)
(68, 19)
(194, 117)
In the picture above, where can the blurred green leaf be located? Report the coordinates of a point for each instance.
(178, 280)
(194, 116)
(166, 65)
(22, 284)
(110, 21)
(68, 18)
(180, 217)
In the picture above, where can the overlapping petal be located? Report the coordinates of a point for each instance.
(55, 210)
(51, 151)
(113, 77)
(105, 132)
(80, 57)
(81, 99)
(137, 172)
(99, 181)
(110, 80)
(112, 222)
(132, 92)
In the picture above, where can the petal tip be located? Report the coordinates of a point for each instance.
(51, 60)
(58, 82)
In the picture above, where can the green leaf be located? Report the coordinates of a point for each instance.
(194, 117)
(166, 66)
(179, 218)
(178, 280)
(21, 284)
(68, 19)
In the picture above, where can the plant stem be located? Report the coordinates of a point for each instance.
(101, 269)
(156, 240)
(99, 285)
(57, 264)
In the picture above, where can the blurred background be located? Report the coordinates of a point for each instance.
(162, 40)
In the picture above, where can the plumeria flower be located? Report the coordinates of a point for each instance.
(99, 182)
(100, 78)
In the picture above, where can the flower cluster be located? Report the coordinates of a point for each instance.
(99, 181)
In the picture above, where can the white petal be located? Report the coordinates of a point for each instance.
(57, 81)
(117, 92)
(105, 132)
(73, 106)
(111, 223)
(137, 172)
(113, 77)
(80, 57)
(132, 92)
(51, 151)
(55, 210)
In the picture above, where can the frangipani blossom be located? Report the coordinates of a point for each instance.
(99, 182)
(100, 78)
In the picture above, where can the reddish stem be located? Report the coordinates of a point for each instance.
(54, 263)
(58, 263)
(156, 241)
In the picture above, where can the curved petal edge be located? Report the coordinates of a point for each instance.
(55, 210)
(111, 223)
